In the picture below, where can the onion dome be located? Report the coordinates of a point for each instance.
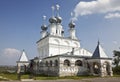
(72, 24)
(52, 20)
(59, 19)
(44, 27)
(62, 31)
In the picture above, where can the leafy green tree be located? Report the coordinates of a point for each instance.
(116, 59)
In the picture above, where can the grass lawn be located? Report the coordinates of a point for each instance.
(9, 76)
(14, 77)
(66, 77)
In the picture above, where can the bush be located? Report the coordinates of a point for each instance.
(116, 70)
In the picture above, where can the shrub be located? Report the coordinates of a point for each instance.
(116, 70)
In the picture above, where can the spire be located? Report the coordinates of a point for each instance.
(23, 57)
(98, 41)
(99, 52)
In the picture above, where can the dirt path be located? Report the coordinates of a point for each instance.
(110, 79)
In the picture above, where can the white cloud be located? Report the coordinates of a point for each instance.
(9, 56)
(112, 15)
(98, 6)
(115, 42)
(11, 52)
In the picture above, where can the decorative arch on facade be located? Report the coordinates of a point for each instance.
(75, 44)
(56, 41)
(66, 43)
(56, 62)
(78, 63)
(96, 67)
(67, 62)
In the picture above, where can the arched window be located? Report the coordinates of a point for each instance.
(66, 62)
(46, 63)
(96, 68)
(51, 63)
(78, 63)
(106, 66)
(56, 62)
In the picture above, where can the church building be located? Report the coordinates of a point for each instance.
(63, 56)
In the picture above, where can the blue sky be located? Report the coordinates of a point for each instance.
(20, 22)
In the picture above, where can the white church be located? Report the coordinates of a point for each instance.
(63, 56)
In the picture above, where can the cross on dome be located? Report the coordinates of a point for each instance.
(44, 19)
(53, 8)
(57, 8)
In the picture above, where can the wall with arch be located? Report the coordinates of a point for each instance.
(65, 66)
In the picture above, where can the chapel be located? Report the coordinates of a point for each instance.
(61, 55)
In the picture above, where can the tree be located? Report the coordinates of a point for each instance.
(116, 58)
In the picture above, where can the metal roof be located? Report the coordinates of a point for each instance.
(99, 52)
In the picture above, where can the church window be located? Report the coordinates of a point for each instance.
(46, 63)
(56, 62)
(51, 63)
(56, 31)
(66, 62)
(78, 63)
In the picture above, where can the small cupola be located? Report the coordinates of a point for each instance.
(72, 24)
(44, 26)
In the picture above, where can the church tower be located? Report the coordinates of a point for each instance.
(54, 42)
(59, 28)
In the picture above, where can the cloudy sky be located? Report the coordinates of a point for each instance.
(20, 22)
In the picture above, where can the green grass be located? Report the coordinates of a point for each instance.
(66, 77)
(10, 76)
(116, 75)
(3, 79)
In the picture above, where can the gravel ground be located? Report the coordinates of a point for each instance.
(112, 79)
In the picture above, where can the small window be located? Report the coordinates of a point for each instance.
(56, 62)
(50, 63)
(46, 63)
(56, 31)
